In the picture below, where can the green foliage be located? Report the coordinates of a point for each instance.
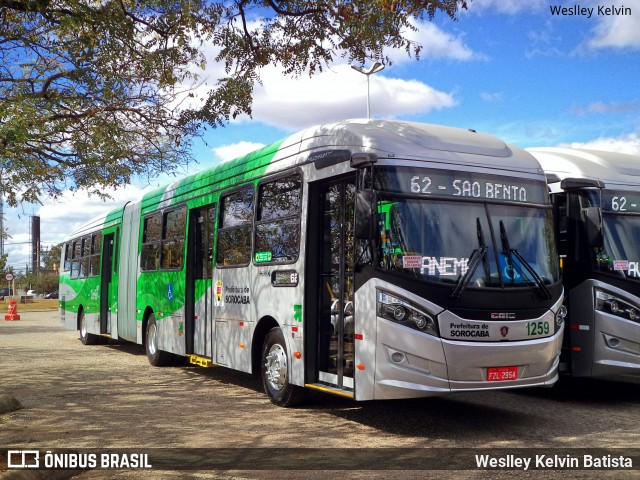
(92, 94)
(42, 283)
(46, 283)
(51, 258)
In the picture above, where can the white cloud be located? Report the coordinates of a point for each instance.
(436, 45)
(618, 31)
(58, 218)
(338, 94)
(225, 153)
(492, 97)
(629, 143)
(599, 107)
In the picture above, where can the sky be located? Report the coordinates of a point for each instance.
(522, 70)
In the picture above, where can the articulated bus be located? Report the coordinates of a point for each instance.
(596, 198)
(371, 259)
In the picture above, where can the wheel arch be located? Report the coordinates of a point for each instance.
(145, 318)
(264, 326)
(79, 316)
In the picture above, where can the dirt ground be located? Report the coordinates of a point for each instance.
(108, 398)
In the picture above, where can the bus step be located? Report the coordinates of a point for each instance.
(329, 389)
(203, 362)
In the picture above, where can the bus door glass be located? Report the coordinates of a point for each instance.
(336, 348)
(199, 275)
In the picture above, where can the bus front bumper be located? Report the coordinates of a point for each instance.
(410, 365)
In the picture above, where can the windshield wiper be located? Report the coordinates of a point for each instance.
(477, 256)
(512, 251)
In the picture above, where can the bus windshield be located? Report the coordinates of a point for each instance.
(482, 244)
(621, 253)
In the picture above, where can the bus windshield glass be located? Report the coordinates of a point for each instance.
(621, 229)
(621, 253)
(482, 244)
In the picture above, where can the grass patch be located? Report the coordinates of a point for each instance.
(38, 304)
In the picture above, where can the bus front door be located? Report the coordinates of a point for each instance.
(198, 287)
(336, 289)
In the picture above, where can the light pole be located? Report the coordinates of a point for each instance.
(377, 67)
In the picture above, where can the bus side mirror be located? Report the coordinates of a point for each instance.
(592, 217)
(363, 214)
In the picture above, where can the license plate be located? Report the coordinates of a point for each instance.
(500, 374)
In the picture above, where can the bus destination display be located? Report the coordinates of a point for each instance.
(620, 201)
(446, 183)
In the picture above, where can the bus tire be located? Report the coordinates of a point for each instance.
(275, 371)
(157, 357)
(85, 337)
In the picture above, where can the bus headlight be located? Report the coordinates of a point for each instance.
(561, 314)
(405, 313)
(606, 302)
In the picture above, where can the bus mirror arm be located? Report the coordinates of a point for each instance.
(592, 217)
(364, 214)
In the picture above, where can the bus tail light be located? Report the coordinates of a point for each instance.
(403, 312)
(606, 302)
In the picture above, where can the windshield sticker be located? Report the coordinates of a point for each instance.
(411, 261)
(511, 271)
(632, 269)
(621, 265)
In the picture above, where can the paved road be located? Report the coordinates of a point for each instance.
(109, 398)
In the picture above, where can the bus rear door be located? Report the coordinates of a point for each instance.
(198, 288)
(108, 285)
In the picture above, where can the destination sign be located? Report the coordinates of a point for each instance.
(620, 201)
(446, 183)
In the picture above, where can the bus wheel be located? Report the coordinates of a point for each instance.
(85, 337)
(156, 357)
(275, 372)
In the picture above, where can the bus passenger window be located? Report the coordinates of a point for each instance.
(278, 223)
(173, 239)
(94, 263)
(84, 261)
(68, 249)
(150, 257)
(234, 233)
(75, 259)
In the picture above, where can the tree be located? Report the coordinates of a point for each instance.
(93, 93)
(51, 257)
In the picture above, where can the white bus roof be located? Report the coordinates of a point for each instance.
(412, 140)
(616, 170)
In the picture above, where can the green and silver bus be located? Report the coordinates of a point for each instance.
(371, 259)
(596, 197)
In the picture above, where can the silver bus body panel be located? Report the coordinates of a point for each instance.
(616, 170)
(410, 364)
(439, 146)
(537, 362)
(451, 324)
(126, 324)
(615, 340)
